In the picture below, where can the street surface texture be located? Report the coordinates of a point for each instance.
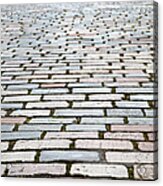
(79, 90)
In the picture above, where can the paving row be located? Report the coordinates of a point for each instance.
(79, 90)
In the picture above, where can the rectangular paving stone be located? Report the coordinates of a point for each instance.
(144, 97)
(53, 85)
(134, 128)
(92, 104)
(99, 170)
(13, 120)
(17, 156)
(7, 136)
(124, 135)
(124, 112)
(14, 92)
(85, 127)
(102, 97)
(20, 73)
(47, 104)
(41, 144)
(135, 90)
(40, 127)
(131, 157)
(84, 85)
(101, 120)
(30, 113)
(78, 112)
(15, 82)
(32, 76)
(104, 144)
(23, 87)
(71, 135)
(50, 120)
(87, 156)
(57, 80)
(32, 169)
(132, 104)
(49, 91)
(91, 90)
(24, 98)
(142, 121)
(7, 106)
(122, 84)
(67, 97)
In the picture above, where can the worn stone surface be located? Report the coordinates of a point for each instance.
(32, 169)
(146, 172)
(99, 170)
(79, 90)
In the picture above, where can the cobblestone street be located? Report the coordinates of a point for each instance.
(79, 90)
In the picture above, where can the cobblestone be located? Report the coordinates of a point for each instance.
(50, 120)
(145, 172)
(12, 120)
(124, 135)
(79, 90)
(17, 156)
(87, 156)
(47, 104)
(104, 144)
(67, 97)
(20, 135)
(102, 120)
(30, 113)
(33, 169)
(130, 157)
(40, 127)
(92, 104)
(124, 112)
(24, 98)
(71, 135)
(79, 112)
(99, 170)
(41, 144)
(86, 127)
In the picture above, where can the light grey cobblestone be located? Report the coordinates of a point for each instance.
(30, 113)
(102, 120)
(79, 112)
(50, 120)
(32, 169)
(40, 127)
(71, 135)
(47, 104)
(87, 156)
(20, 135)
(41, 144)
(131, 157)
(145, 172)
(17, 156)
(86, 127)
(99, 170)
